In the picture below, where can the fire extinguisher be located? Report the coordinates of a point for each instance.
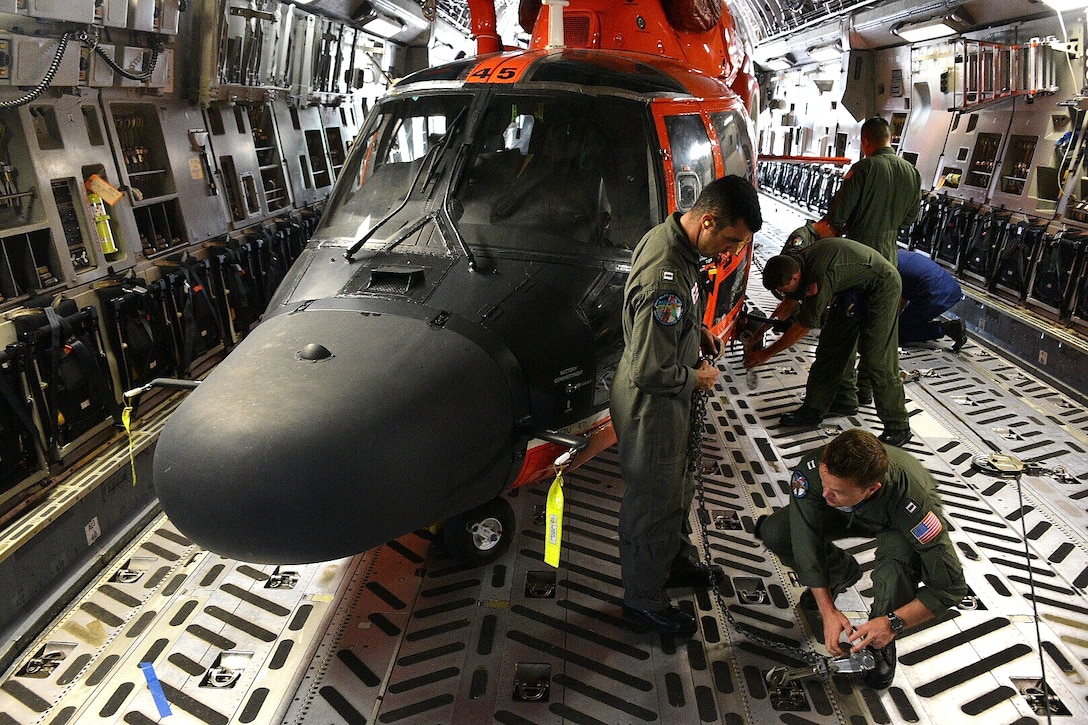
(102, 223)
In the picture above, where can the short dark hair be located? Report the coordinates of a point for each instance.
(876, 130)
(856, 455)
(778, 270)
(731, 198)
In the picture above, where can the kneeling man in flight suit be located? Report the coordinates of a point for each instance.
(857, 486)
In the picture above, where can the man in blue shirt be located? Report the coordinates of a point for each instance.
(928, 291)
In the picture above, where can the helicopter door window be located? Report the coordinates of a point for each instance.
(693, 163)
(737, 152)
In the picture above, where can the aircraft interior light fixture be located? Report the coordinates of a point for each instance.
(955, 22)
(383, 26)
(825, 53)
(777, 64)
(1063, 6)
(773, 49)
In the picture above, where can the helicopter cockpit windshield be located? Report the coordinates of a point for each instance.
(556, 173)
(398, 149)
(560, 174)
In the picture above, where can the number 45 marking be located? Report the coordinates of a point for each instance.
(503, 74)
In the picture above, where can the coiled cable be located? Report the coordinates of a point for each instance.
(92, 43)
(46, 81)
(143, 75)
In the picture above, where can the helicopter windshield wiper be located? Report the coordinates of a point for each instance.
(429, 163)
(446, 229)
(446, 219)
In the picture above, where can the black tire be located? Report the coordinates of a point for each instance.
(481, 535)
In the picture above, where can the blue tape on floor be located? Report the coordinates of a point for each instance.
(155, 687)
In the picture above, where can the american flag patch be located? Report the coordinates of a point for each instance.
(927, 529)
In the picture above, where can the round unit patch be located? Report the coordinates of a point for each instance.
(799, 485)
(668, 309)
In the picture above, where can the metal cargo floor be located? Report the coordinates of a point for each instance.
(402, 634)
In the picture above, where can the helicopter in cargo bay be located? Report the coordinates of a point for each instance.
(453, 325)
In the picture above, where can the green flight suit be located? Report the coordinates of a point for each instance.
(905, 516)
(651, 410)
(837, 265)
(880, 195)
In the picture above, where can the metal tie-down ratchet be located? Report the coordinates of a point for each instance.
(913, 375)
(1004, 465)
(855, 663)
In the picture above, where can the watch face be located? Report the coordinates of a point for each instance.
(896, 622)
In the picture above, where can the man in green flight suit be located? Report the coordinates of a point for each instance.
(880, 194)
(812, 276)
(855, 486)
(652, 395)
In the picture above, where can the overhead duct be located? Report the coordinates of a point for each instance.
(400, 21)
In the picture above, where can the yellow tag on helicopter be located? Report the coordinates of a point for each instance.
(553, 521)
(126, 420)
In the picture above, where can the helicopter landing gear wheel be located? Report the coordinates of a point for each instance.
(482, 535)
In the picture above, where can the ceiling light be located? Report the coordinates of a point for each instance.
(772, 49)
(955, 22)
(825, 53)
(777, 64)
(1063, 6)
(383, 26)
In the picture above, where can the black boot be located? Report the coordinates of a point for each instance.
(669, 620)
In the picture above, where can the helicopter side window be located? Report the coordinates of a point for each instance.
(693, 163)
(733, 140)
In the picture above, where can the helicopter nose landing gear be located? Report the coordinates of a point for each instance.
(481, 535)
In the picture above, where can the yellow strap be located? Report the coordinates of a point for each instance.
(126, 420)
(553, 537)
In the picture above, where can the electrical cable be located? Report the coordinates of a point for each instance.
(143, 75)
(39, 89)
(92, 43)
(1065, 37)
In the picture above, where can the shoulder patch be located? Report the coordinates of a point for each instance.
(799, 485)
(927, 529)
(668, 309)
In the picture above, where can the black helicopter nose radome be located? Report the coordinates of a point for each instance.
(327, 432)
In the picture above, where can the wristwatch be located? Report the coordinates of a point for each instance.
(897, 622)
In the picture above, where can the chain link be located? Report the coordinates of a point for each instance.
(699, 401)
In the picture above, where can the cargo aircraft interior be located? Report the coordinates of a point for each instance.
(305, 306)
